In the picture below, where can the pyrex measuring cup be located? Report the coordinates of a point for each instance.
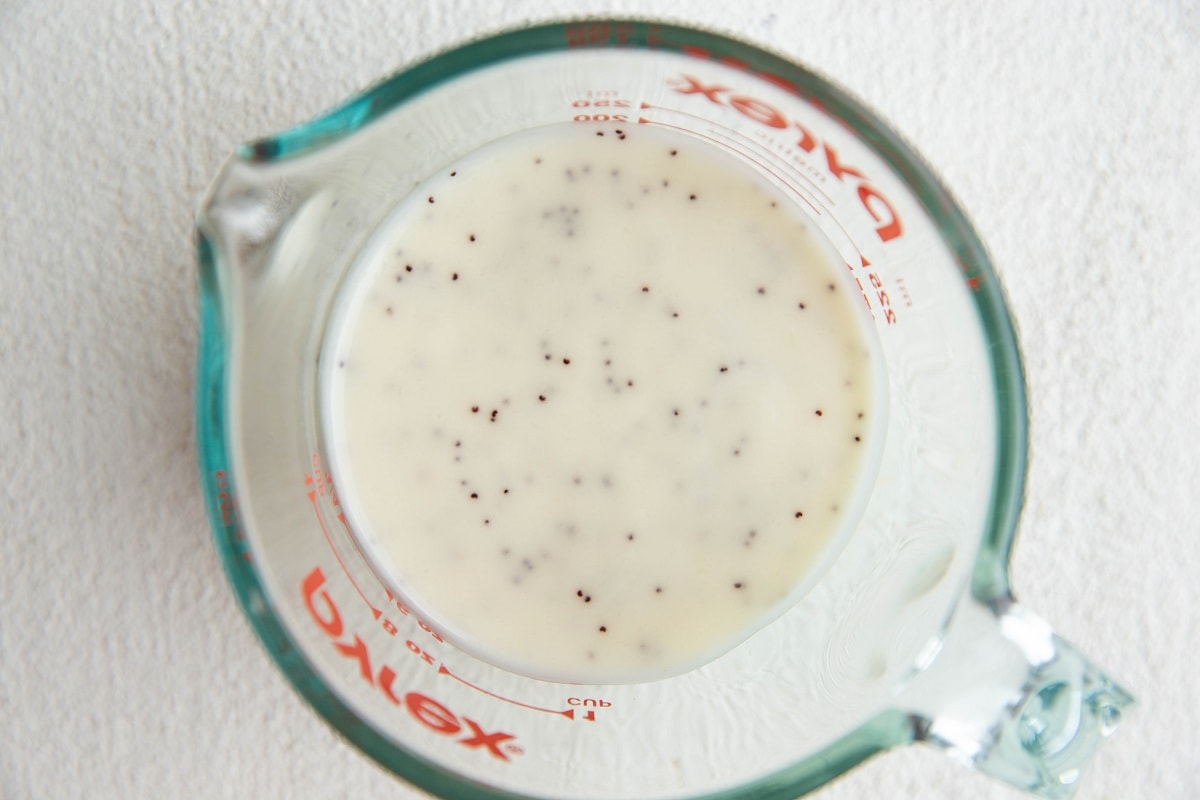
(911, 633)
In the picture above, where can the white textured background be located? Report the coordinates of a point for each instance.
(1069, 131)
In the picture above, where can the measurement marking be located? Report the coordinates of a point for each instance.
(820, 211)
(569, 713)
(825, 206)
(848, 238)
(743, 144)
(749, 156)
(863, 290)
(229, 515)
(312, 498)
(814, 187)
(341, 516)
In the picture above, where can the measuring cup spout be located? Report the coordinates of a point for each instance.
(282, 226)
(1004, 693)
(245, 209)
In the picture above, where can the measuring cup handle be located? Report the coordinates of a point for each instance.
(1008, 696)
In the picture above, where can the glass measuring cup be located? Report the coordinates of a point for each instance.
(911, 633)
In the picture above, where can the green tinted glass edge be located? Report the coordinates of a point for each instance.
(990, 574)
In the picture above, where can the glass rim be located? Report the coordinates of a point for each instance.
(989, 576)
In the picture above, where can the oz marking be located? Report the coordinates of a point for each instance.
(416, 649)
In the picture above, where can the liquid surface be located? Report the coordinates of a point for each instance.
(598, 401)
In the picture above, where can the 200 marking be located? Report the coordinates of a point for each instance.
(601, 118)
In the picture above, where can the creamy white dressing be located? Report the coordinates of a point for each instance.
(598, 400)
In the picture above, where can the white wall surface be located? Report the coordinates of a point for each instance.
(1068, 130)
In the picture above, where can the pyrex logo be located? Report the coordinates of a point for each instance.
(424, 709)
(888, 225)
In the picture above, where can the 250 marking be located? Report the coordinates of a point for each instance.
(602, 116)
(601, 104)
